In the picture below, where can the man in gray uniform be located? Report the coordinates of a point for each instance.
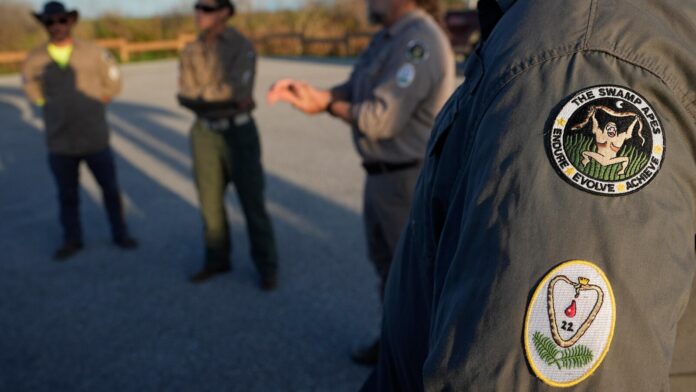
(551, 240)
(216, 83)
(397, 87)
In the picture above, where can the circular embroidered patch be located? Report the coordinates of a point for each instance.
(405, 75)
(570, 323)
(607, 140)
(416, 51)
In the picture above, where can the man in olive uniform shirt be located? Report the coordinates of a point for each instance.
(73, 80)
(391, 99)
(216, 82)
(551, 240)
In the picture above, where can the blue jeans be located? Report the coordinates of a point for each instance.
(66, 173)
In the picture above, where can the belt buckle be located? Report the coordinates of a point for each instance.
(241, 119)
(217, 125)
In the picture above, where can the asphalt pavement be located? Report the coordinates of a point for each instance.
(115, 320)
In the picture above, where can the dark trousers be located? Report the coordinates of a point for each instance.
(232, 156)
(386, 208)
(67, 176)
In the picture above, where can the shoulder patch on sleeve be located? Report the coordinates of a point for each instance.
(405, 75)
(570, 323)
(107, 57)
(606, 140)
(114, 73)
(416, 51)
(246, 77)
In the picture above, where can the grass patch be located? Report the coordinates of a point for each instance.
(577, 144)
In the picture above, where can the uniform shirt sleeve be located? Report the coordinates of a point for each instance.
(188, 88)
(343, 91)
(243, 72)
(110, 74)
(402, 84)
(513, 218)
(31, 81)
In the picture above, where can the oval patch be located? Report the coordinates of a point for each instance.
(607, 140)
(405, 75)
(570, 323)
(114, 73)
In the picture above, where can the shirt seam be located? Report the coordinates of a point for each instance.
(683, 96)
(592, 15)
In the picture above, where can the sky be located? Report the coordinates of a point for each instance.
(143, 8)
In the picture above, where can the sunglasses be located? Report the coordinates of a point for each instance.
(207, 8)
(48, 22)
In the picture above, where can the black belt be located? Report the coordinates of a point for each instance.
(374, 168)
(223, 124)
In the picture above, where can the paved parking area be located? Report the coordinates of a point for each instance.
(115, 320)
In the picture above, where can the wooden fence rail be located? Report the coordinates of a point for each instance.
(349, 44)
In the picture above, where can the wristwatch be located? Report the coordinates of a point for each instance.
(329, 107)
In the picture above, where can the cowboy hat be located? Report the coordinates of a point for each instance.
(53, 8)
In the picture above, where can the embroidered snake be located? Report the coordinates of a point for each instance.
(582, 285)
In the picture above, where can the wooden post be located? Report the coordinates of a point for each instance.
(303, 45)
(266, 45)
(180, 42)
(123, 51)
(346, 43)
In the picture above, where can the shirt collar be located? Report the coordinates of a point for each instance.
(505, 4)
(405, 20)
(490, 12)
(227, 35)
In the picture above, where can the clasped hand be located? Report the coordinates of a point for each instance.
(301, 95)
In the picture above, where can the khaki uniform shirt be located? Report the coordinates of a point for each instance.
(397, 88)
(74, 111)
(213, 77)
(513, 188)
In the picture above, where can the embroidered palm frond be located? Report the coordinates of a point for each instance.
(545, 347)
(575, 357)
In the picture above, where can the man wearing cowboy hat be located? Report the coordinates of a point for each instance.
(73, 80)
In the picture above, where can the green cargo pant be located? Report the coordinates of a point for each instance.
(221, 157)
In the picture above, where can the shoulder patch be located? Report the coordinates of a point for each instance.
(405, 75)
(107, 57)
(607, 140)
(246, 77)
(114, 73)
(416, 51)
(570, 323)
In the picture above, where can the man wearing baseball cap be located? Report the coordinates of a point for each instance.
(216, 83)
